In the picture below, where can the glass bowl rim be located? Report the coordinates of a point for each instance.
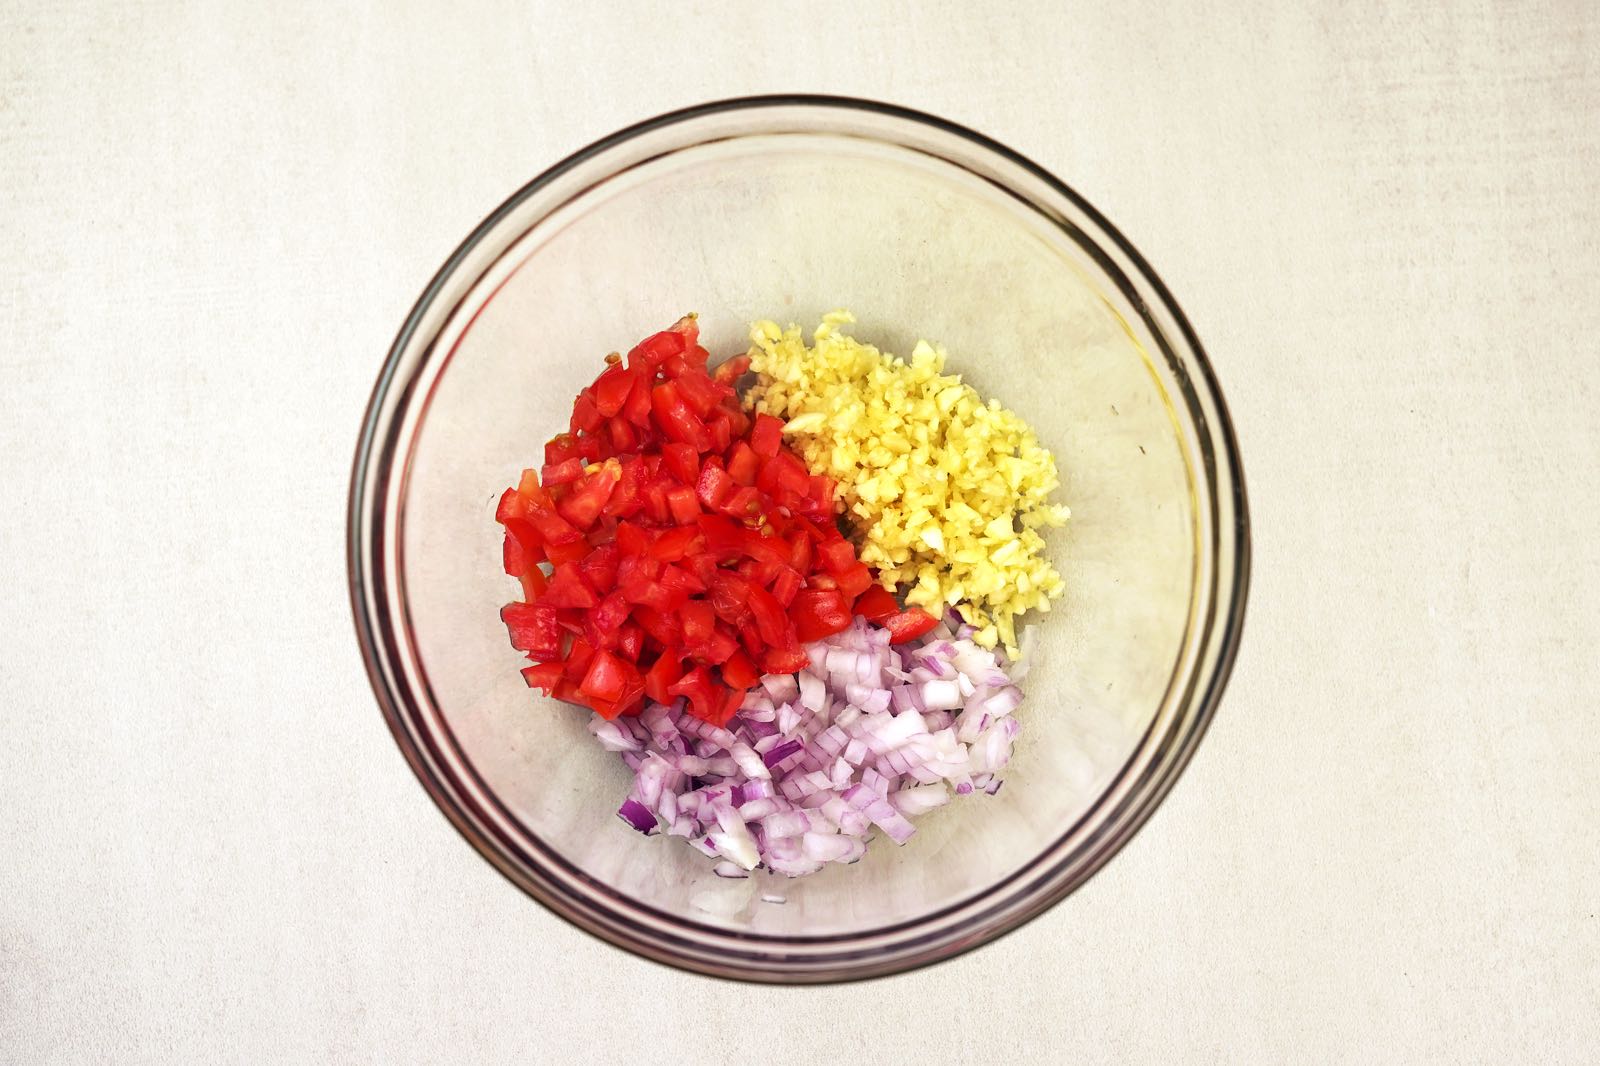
(762, 957)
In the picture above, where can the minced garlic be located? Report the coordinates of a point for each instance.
(946, 492)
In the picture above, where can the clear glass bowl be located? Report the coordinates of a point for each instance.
(788, 207)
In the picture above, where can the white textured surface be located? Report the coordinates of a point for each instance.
(1386, 229)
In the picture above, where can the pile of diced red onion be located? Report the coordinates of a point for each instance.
(869, 735)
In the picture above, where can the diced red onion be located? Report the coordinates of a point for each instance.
(782, 751)
(757, 809)
(781, 688)
(869, 735)
(813, 692)
(637, 815)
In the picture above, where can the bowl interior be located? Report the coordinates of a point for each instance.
(789, 226)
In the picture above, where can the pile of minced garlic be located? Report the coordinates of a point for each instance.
(946, 492)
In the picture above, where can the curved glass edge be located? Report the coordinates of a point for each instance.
(729, 955)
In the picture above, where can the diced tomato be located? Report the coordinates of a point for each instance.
(731, 703)
(578, 657)
(674, 544)
(533, 628)
(726, 542)
(739, 671)
(631, 540)
(702, 566)
(801, 551)
(743, 464)
(714, 484)
(738, 422)
(682, 461)
(821, 494)
(568, 589)
(611, 390)
(681, 580)
(630, 641)
(513, 556)
(567, 553)
(625, 497)
(663, 628)
(599, 568)
(590, 495)
(682, 504)
(772, 623)
(699, 391)
(675, 419)
(542, 675)
(533, 583)
(559, 449)
(720, 429)
(732, 370)
(562, 472)
(602, 627)
(655, 504)
(707, 699)
(650, 352)
(819, 613)
(716, 648)
(784, 658)
(585, 414)
(909, 624)
(551, 527)
(743, 503)
(604, 678)
(836, 556)
(730, 597)
(623, 437)
(854, 581)
(792, 473)
(766, 436)
(659, 679)
(637, 409)
(512, 506)
(682, 533)
(785, 585)
(876, 604)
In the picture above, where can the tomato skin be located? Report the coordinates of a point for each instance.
(682, 505)
(732, 370)
(675, 420)
(767, 436)
(818, 613)
(533, 584)
(611, 390)
(659, 679)
(836, 555)
(650, 352)
(854, 580)
(785, 586)
(743, 464)
(909, 624)
(701, 692)
(876, 604)
(740, 671)
(682, 461)
(543, 676)
(674, 544)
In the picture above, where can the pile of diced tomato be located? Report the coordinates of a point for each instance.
(688, 550)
